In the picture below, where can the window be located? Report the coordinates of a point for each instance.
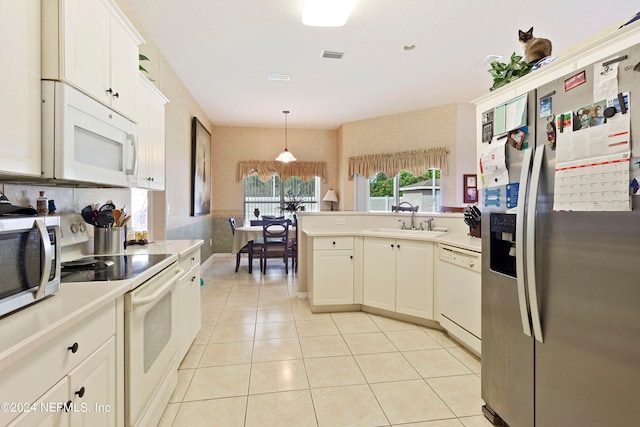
(271, 196)
(422, 191)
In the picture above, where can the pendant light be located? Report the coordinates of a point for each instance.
(285, 156)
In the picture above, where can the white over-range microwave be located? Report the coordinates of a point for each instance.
(84, 140)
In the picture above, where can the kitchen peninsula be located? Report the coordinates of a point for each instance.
(352, 261)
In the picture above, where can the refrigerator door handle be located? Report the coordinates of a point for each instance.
(531, 243)
(520, 242)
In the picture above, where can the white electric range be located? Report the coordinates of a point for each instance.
(151, 324)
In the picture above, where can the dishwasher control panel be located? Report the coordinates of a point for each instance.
(462, 258)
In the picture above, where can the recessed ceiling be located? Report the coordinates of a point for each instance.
(223, 50)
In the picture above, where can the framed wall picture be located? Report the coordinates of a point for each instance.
(200, 169)
(470, 188)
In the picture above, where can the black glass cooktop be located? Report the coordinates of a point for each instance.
(108, 267)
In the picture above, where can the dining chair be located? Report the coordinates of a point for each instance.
(293, 246)
(251, 248)
(275, 234)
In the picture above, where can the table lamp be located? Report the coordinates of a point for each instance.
(331, 197)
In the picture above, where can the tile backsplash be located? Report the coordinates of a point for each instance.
(70, 200)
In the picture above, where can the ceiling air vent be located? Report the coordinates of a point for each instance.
(331, 54)
(279, 77)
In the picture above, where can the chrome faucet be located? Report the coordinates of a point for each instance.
(429, 224)
(413, 215)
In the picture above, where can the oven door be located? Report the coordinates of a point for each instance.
(151, 334)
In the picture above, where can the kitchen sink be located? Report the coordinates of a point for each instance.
(400, 231)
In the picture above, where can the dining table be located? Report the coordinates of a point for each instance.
(244, 235)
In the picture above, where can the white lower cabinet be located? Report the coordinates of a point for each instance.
(189, 301)
(333, 271)
(398, 276)
(92, 389)
(71, 380)
(47, 411)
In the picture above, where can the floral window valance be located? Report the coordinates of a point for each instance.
(266, 169)
(416, 162)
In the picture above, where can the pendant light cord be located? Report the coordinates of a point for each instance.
(286, 146)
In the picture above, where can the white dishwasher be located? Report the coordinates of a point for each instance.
(459, 294)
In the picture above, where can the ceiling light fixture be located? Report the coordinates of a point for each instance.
(285, 156)
(326, 13)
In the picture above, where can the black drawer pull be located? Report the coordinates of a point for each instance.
(73, 348)
(80, 392)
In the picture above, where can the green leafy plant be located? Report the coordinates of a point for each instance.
(504, 73)
(142, 57)
(292, 202)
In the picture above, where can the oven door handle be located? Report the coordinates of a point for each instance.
(48, 257)
(140, 301)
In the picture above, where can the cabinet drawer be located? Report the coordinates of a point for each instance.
(328, 243)
(28, 379)
(187, 261)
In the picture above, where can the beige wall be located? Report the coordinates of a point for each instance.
(171, 209)
(434, 127)
(428, 128)
(233, 144)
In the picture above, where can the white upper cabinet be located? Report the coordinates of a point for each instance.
(20, 102)
(91, 44)
(151, 146)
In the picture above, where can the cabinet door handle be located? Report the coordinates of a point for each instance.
(398, 246)
(193, 278)
(392, 245)
(109, 91)
(334, 243)
(116, 95)
(80, 392)
(73, 348)
(351, 256)
(67, 406)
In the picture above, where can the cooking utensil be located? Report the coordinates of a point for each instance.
(108, 206)
(124, 221)
(116, 217)
(105, 219)
(88, 215)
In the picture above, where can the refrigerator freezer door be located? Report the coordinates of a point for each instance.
(507, 353)
(587, 370)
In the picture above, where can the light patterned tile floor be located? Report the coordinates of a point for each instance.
(262, 358)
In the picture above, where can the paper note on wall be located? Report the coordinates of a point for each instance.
(493, 166)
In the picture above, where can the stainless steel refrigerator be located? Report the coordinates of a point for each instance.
(561, 289)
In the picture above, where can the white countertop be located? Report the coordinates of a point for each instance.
(459, 240)
(28, 328)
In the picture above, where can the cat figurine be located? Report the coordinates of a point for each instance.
(534, 48)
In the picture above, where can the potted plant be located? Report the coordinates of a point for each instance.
(142, 57)
(292, 203)
(504, 73)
